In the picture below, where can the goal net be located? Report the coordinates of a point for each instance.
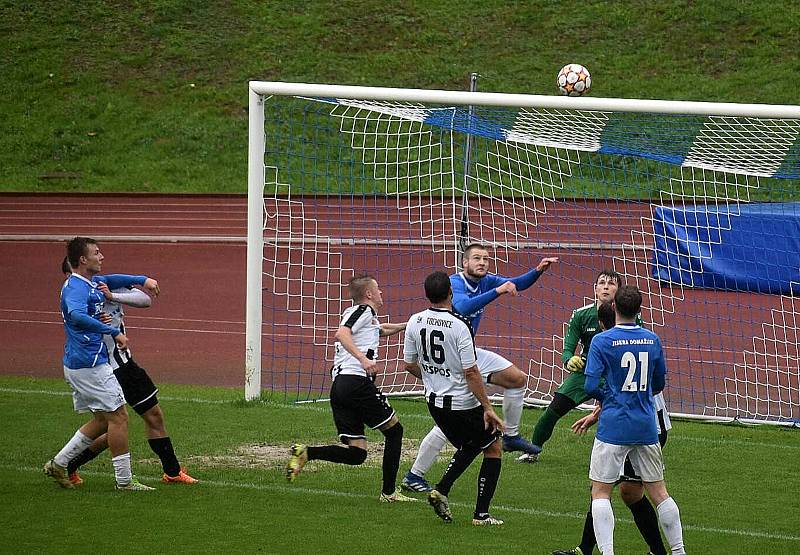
(696, 203)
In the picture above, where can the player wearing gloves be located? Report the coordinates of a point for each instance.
(582, 327)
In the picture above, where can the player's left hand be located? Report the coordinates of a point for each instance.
(582, 425)
(492, 421)
(103, 288)
(545, 263)
(151, 287)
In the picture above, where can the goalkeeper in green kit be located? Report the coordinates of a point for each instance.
(582, 327)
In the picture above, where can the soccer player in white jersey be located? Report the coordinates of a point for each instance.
(474, 288)
(355, 400)
(95, 389)
(137, 386)
(631, 489)
(625, 367)
(439, 348)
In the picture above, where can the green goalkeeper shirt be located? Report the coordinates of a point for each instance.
(582, 327)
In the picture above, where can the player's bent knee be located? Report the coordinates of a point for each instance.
(509, 378)
(494, 451)
(355, 456)
(393, 432)
(631, 492)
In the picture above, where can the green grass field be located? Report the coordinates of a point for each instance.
(736, 486)
(154, 97)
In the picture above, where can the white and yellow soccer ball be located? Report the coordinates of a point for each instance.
(574, 80)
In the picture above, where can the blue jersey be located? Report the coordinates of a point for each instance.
(631, 360)
(471, 297)
(81, 304)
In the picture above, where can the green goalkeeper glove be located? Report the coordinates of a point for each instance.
(576, 364)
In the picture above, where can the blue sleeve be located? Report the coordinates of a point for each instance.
(593, 372)
(526, 280)
(84, 322)
(466, 305)
(116, 281)
(659, 380)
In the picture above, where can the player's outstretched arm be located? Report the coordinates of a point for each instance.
(132, 297)
(529, 278)
(391, 329)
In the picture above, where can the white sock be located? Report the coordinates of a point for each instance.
(513, 401)
(670, 518)
(429, 449)
(122, 469)
(603, 520)
(72, 449)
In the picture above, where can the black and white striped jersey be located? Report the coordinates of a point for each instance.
(441, 342)
(131, 297)
(366, 330)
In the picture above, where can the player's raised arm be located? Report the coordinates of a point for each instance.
(132, 297)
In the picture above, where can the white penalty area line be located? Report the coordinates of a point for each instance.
(467, 506)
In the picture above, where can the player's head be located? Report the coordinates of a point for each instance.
(606, 285)
(364, 290)
(437, 287)
(628, 301)
(475, 260)
(66, 267)
(606, 315)
(83, 252)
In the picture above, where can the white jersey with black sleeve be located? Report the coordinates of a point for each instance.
(366, 330)
(441, 342)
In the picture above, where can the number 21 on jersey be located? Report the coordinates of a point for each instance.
(629, 361)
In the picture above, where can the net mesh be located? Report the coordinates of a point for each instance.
(382, 187)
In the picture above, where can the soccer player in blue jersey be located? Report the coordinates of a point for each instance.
(625, 367)
(474, 288)
(86, 367)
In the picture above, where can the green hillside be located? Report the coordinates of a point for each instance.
(151, 96)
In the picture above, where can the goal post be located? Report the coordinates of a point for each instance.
(697, 203)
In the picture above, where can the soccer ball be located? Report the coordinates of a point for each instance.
(574, 80)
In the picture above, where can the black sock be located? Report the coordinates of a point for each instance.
(487, 484)
(646, 519)
(338, 454)
(458, 464)
(588, 541)
(162, 446)
(391, 457)
(81, 459)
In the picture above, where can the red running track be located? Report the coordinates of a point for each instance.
(195, 247)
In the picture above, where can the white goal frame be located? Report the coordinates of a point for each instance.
(261, 90)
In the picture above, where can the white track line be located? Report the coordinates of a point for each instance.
(467, 506)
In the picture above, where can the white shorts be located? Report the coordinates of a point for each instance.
(608, 460)
(489, 363)
(94, 389)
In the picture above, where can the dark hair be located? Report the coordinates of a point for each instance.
(77, 248)
(606, 315)
(437, 287)
(66, 267)
(358, 286)
(610, 274)
(471, 247)
(628, 300)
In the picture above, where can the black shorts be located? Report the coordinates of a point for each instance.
(356, 401)
(464, 427)
(139, 390)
